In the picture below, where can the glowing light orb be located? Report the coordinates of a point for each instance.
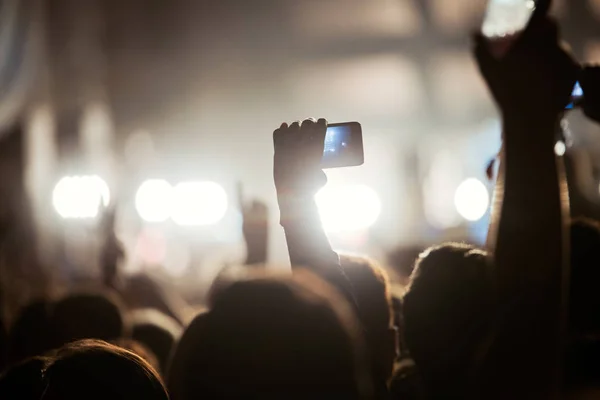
(348, 208)
(472, 199)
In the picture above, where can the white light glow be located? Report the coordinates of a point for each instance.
(348, 208)
(153, 200)
(198, 203)
(560, 148)
(472, 199)
(80, 197)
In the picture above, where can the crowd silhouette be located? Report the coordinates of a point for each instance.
(518, 318)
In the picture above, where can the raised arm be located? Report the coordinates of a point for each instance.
(298, 176)
(532, 86)
(590, 82)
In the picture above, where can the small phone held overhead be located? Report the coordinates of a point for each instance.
(343, 146)
(576, 97)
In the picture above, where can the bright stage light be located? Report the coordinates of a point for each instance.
(348, 208)
(80, 197)
(472, 199)
(198, 203)
(153, 200)
(560, 148)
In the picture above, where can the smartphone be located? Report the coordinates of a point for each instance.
(576, 97)
(343, 146)
(505, 20)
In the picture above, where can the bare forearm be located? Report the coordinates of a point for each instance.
(530, 230)
(308, 245)
(529, 258)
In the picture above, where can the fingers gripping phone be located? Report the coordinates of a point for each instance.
(343, 146)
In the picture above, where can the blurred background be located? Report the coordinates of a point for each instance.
(159, 108)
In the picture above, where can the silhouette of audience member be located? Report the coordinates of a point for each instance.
(30, 333)
(590, 83)
(145, 291)
(156, 331)
(584, 301)
(24, 380)
(255, 228)
(277, 338)
(3, 345)
(183, 355)
(582, 368)
(141, 350)
(448, 310)
(92, 369)
(372, 291)
(228, 276)
(402, 261)
(531, 84)
(86, 369)
(88, 316)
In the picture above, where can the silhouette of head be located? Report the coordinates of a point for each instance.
(584, 301)
(372, 290)
(447, 310)
(3, 345)
(183, 355)
(24, 380)
(92, 369)
(279, 337)
(87, 316)
(30, 333)
(582, 369)
(140, 349)
(158, 332)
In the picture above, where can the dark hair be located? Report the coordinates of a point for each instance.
(24, 380)
(140, 349)
(87, 316)
(375, 311)
(92, 369)
(581, 361)
(183, 355)
(3, 345)
(402, 260)
(230, 275)
(276, 337)
(448, 309)
(584, 298)
(158, 332)
(30, 333)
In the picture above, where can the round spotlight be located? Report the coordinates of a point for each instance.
(348, 208)
(472, 199)
(198, 203)
(560, 148)
(80, 197)
(153, 200)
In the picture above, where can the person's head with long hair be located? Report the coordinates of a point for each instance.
(88, 315)
(85, 369)
(375, 310)
(448, 311)
(276, 336)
